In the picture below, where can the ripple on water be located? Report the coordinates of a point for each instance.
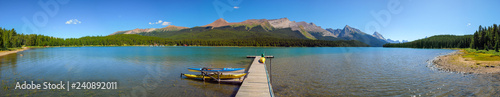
(393, 72)
(320, 71)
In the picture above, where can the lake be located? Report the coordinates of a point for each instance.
(296, 71)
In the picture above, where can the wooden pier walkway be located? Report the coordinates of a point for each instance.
(257, 82)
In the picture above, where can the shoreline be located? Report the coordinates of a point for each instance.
(455, 62)
(3, 53)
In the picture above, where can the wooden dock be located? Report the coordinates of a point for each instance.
(256, 82)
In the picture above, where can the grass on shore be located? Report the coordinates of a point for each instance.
(481, 55)
(10, 49)
(453, 59)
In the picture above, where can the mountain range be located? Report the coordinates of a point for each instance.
(281, 28)
(137, 30)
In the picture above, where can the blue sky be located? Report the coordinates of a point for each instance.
(415, 19)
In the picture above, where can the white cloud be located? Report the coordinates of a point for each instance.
(73, 21)
(236, 7)
(164, 23)
(468, 24)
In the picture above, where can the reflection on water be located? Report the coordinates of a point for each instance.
(321, 71)
(150, 71)
(8, 61)
(375, 72)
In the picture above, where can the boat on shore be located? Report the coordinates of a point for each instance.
(221, 76)
(216, 69)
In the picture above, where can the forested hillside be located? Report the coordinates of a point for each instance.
(438, 41)
(485, 38)
(11, 39)
(282, 28)
(227, 32)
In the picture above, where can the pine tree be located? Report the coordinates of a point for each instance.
(496, 46)
(480, 28)
(475, 41)
(486, 47)
(472, 43)
(1, 37)
(482, 38)
(5, 38)
(497, 41)
(487, 38)
(498, 33)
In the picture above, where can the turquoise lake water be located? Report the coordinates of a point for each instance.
(297, 71)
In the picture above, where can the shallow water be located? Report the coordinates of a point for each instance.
(301, 71)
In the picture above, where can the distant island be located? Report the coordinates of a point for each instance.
(477, 53)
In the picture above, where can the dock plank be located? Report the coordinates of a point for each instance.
(256, 83)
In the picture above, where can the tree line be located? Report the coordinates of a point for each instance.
(11, 39)
(438, 41)
(486, 38)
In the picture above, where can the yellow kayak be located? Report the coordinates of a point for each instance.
(224, 76)
(262, 60)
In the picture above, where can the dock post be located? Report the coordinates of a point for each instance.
(270, 71)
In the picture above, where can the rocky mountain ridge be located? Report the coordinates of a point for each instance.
(309, 30)
(147, 30)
